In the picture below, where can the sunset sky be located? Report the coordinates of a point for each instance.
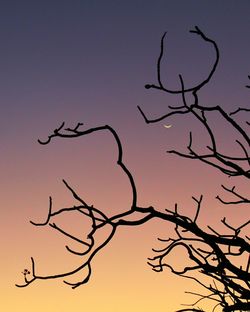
(88, 61)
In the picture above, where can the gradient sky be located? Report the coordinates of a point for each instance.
(88, 61)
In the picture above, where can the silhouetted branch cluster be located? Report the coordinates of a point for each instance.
(224, 271)
(235, 280)
(229, 165)
(211, 254)
(224, 259)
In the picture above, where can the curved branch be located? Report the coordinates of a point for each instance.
(75, 132)
(198, 86)
(48, 217)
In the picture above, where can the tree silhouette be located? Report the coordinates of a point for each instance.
(212, 254)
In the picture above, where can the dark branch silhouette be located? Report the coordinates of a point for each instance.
(209, 252)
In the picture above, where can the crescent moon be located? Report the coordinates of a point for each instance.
(167, 126)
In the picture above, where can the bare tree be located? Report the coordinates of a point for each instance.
(211, 253)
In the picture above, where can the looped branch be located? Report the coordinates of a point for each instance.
(160, 85)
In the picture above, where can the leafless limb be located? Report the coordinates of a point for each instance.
(241, 199)
(240, 109)
(209, 252)
(160, 85)
(75, 132)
